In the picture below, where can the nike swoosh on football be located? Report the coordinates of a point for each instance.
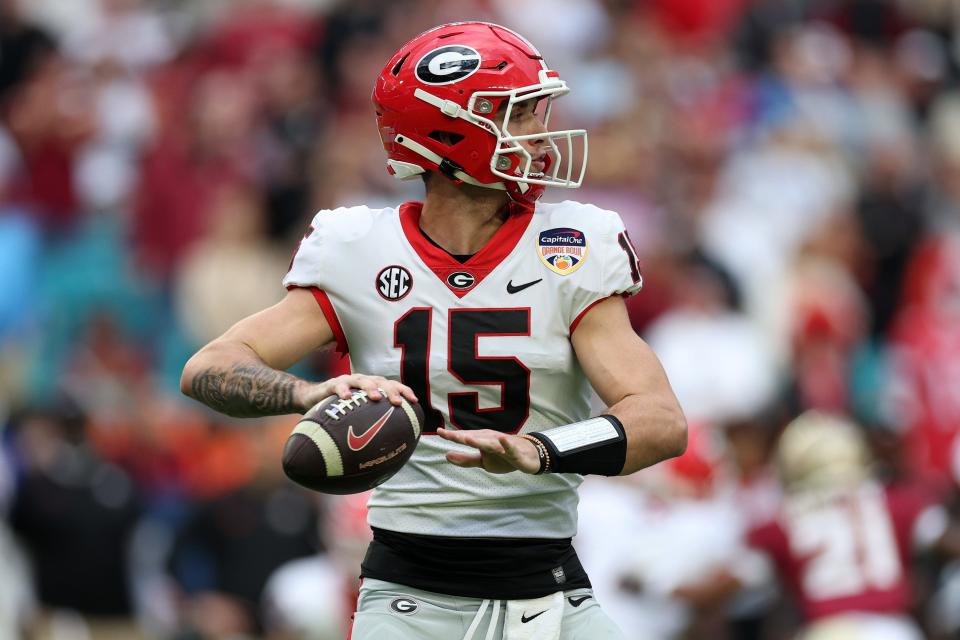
(576, 602)
(520, 287)
(524, 619)
(356, 442)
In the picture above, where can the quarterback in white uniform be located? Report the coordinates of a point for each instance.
(496, 314)
(484, 344)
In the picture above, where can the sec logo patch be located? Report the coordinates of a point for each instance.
(563, 250)
(393, 283)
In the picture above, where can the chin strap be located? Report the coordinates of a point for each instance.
(450, 169)
(447, 107)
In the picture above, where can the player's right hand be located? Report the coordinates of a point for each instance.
(377, 387)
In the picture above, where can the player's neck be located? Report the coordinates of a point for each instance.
(462, 218)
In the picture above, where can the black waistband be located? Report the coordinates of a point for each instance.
(495, 568)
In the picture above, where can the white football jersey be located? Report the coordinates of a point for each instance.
(483, 344)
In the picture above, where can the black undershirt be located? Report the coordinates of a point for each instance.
(459, 258)
(489, 568)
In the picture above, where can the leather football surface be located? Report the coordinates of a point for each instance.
(350, 446)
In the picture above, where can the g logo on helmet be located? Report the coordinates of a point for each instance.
(448, 64)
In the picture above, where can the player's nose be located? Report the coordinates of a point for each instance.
(538, 129)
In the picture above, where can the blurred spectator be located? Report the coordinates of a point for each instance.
(770, 200)
(226, 550)
(926, 402)
(360, 174)
(258, 30)
(189, 164)
(49, 118)
(828, 319)
(571, 29)
(642, 538)
(232, 271)
(698, 19)
(128, 33)
(705, 333)
(124, 112)
(330, 580)
(108, 372)
(23, 47)
(73, 512)
(293, 120)
(890, 212)
(80, 282)
(944, 206)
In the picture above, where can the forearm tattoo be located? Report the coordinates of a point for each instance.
(246, 390)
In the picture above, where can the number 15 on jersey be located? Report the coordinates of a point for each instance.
(412, 335)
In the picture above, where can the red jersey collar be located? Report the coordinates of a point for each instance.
(481, 263)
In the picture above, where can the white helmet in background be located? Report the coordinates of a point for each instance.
(822, 451)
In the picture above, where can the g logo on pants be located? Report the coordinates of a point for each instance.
(404, 606)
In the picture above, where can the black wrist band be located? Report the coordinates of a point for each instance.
(596, 446)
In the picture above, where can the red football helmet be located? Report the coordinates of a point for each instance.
(436, 100)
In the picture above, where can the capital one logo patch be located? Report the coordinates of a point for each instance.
(448, 64)
(393, 283)
(563, 249)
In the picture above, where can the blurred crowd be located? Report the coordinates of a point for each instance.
(789, 171)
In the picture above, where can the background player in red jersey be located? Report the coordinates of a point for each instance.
(842, 542)
(498, 314)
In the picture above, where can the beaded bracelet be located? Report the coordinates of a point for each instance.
(542, 453)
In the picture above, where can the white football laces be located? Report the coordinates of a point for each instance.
(338, 409)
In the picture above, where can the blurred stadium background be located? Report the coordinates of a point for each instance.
(788, 169)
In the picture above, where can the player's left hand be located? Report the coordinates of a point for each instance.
(496, 452)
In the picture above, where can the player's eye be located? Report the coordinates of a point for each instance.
(525, 109)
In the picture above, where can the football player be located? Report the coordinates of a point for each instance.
(842, 542)
(497, 314)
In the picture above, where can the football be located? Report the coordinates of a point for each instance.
(350, 446)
